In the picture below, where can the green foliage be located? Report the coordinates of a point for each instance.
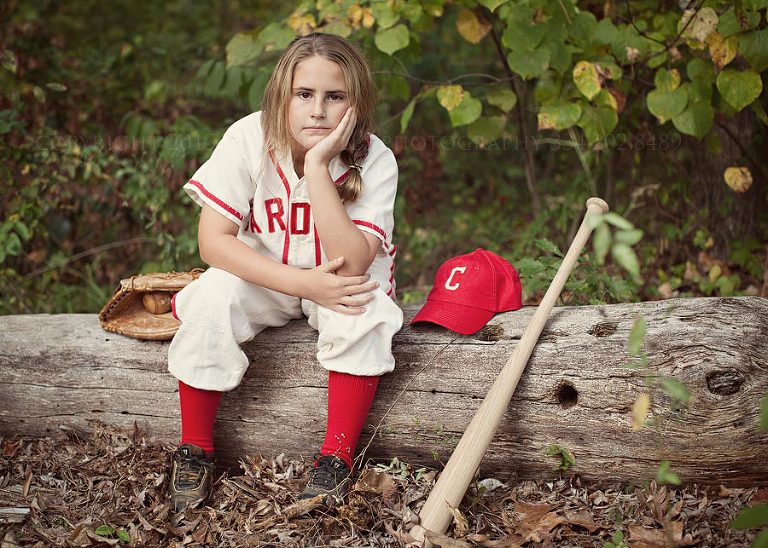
(664, 474)
(617, 541)
(739, 88)
(754, 517)
(676, 390)
(751, 517)
(567, 46)
(393, 39)
(110, 532)
(93, 183)
(107, 112)
(566, 457)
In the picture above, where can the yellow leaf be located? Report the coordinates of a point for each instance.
(450, 96)
(698, 24)
(739, 179)
(471, 27)
(714, 273)
(368, 19)
(302, 23)
(722, 51)
(587, 79)
(359, 15)
(355, 14)
(546, 121)
(640, 410)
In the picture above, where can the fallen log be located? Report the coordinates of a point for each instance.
(63, 372)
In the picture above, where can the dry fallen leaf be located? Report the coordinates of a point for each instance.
(77, 481)
(444, 541)
(11, 447)
(460, 524)
(9, 541)
(537, 520)
(380, 483)
(582, 518)
(670, 537)
(512, 541)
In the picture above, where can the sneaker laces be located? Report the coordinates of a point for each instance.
(190, 471)
(326, 472)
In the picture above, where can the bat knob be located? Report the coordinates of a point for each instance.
(598, 205)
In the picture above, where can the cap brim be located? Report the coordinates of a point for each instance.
(461, 319)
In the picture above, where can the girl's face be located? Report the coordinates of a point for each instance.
(317, 104)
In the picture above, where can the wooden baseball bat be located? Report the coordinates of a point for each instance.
(461, 467)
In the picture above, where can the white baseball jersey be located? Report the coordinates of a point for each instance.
(262, 194)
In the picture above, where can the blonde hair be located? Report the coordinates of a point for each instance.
(361, 92)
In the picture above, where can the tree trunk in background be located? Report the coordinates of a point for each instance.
(711, 193)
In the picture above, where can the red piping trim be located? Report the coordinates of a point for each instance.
(318, 254)
(343, 177)
(216, 200)
(372, 227)
(173, 307)
(391, 250)
(287, 241)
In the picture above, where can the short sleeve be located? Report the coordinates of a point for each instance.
(224, 182)
(373, 212)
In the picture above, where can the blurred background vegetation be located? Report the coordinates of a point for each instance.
(505, 116)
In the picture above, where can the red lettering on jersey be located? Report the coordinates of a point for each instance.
(274, 207)
(295, 207)
(251, 225)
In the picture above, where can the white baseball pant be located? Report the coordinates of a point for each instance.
(219, 311)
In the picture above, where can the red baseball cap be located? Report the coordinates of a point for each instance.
(469, 290)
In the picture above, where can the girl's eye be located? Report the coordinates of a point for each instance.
(335, 97)
(304, 94)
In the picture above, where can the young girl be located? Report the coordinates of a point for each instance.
(297, 217)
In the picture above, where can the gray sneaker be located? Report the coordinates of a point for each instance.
(330, 477)
(191, 477)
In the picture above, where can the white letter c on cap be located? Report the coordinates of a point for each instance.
(453, 287)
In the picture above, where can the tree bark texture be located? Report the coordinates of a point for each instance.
(729, 216)
(64, 371)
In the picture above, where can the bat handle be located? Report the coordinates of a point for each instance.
(466, 457)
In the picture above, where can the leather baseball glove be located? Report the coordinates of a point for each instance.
(141, 305)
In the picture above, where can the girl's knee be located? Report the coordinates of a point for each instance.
(362, 339)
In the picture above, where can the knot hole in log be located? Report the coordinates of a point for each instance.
(490, 333)
(603, 329)
(566, 394)
(724, 383)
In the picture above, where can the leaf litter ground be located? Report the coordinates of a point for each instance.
(106, 488)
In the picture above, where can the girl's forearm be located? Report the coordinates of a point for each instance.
(338, 234)
(226, 252)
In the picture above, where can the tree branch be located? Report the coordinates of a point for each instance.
(744, 150)
(667, 47)
(89, 252)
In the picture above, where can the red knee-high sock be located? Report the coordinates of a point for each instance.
(349, 399)
(198, 411)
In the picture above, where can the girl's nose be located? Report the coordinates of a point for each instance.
(318, 108)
